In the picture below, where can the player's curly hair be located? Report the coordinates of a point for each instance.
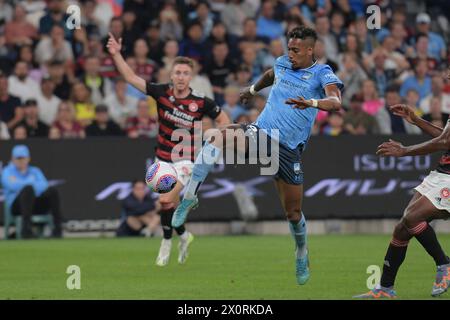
(303, 33)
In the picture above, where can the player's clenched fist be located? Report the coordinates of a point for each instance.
(113, 46)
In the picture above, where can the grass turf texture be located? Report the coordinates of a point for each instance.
(231, 267)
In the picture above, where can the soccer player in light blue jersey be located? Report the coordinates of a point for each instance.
(300, 87)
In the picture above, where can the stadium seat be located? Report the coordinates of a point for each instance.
(10, 220)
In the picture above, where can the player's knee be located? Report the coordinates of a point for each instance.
(293, 214)
(167, 204)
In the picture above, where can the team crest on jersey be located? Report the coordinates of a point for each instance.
(445, 193)
(306, 75)
(193, 107)
(297, 168)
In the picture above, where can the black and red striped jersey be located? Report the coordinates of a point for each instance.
(175, 114)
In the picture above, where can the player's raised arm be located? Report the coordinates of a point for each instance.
(265, 81)
(332, 101)
(407, 113)
(396, 149)
(127, 73)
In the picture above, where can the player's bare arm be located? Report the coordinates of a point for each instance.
(265, 81)
(127, 73)
(222, 120)
(407, 113)
(332, 101)
(396, 149)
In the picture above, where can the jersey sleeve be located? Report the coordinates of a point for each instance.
(156, 90)
(211, 109)
(327, 77)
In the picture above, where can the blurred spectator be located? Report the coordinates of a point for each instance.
(121, 106)
(371, 101)
(337, 28)
(335, 124)
(232, 106)
(436, 44)
(90, 21)
(356, 121)
(139, 211)
(19, 133)
(18, 31)
(80, 96)
(412, 99)
(35, 10)
(219, 69)
(275, 50)
(199, 82)
(395, 60)
(436, 115)
(399, 34)
(31, 122)
(66, 122)
(382, 76)
(420, 81)
(219, 34)
(253, 114)
(60, 79)
(28, 193)
(421, 52)
(146, 68)
(54, 47)
(242, 77)
(4, 132)
(437, 90)
(131, 31)
(99, 86)
(47, 102)
(26, 54)
(116, 28)
(6, 12)
(352, 75)
(10, 111)
(80, 43)
(319, 55)
(204, 16)
(155, 45)
(250, 38)
(54, 133)
(171, 26)
(267, 26)
(323, 33)
(55, 16)
(234, 14)
(387, 122)
(252, 61)
(193, 46)
(20, 84)
(143, 125)
(242, 118)
(103, 126)
(170, 53)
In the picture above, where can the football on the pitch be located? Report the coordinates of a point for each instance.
(161, 177)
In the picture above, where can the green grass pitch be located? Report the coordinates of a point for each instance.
(219, 267)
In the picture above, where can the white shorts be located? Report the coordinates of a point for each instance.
(436, 187)
(183, 169)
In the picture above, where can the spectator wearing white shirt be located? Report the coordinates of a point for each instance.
(54, 48)
(437, 90)
(121, 107)
(20, 84)
(4, 132)
(47, 102)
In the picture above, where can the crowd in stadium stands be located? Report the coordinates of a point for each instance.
(61, 83)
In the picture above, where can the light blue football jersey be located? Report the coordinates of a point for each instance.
(294, 125)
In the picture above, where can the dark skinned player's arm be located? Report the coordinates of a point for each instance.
(428, 127)
(440, 143)
(265, 81)
(332, 101)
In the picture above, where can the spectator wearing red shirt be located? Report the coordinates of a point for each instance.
(143, 125)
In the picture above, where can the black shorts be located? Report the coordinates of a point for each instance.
(289, 161)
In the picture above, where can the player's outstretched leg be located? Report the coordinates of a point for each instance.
(298, 231)
(205, 161)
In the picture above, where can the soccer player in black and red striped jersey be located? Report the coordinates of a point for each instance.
(179, 107)
(430, 201)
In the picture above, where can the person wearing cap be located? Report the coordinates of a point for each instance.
(31, 122)
(102, 125)
(28, 193)
(436, 44)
